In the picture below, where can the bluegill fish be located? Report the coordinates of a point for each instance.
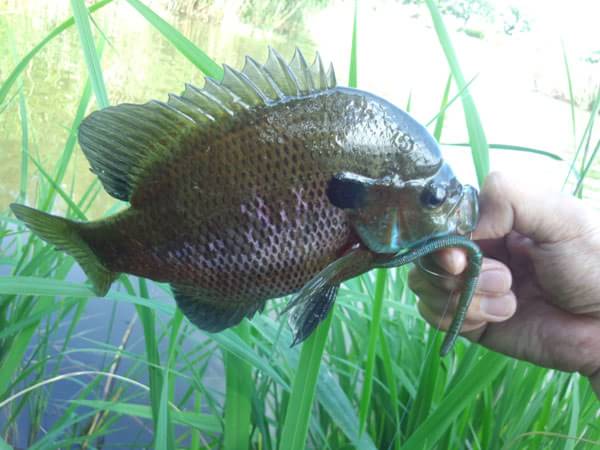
(269, 182)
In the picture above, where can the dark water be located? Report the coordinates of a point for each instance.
(104, 325)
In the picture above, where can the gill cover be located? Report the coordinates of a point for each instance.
(390, 214)
(373, 206)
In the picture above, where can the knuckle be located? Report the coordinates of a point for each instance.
(494, 180)
(413, 277)
(430, 316)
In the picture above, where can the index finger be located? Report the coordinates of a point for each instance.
(507, 205)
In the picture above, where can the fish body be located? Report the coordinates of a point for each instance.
(250, 188)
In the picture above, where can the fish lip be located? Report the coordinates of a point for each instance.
(464, 214)
(457, 203)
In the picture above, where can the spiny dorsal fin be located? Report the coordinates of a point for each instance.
(303, 75)
(265, 85)
(281, 74)
(246, 92)
(331, 81)
(122, 142)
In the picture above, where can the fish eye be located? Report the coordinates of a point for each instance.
(433, 195)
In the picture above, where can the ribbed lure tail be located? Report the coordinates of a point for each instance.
(64, 235)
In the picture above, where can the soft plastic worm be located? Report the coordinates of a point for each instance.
(470, 277)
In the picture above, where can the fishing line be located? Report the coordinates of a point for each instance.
(431, 343)
(441, 274)
(469, 276)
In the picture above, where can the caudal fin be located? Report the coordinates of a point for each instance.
(64, 235)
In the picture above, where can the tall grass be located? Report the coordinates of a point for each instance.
(368, 378)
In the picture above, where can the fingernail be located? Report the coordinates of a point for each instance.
(455, 262)
(452, 261)
(497, 307)
(494, 282)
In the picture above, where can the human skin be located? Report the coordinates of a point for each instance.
(538, 295)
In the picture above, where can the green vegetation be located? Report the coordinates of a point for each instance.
(509, 15)
(369, 377)
(277, 14)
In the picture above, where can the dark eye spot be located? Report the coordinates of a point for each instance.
(433, 195)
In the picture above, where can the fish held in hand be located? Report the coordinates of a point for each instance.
(272, 181)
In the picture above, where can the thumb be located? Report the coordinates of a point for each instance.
(543, 216)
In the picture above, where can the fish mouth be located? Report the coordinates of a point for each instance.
(464, 215)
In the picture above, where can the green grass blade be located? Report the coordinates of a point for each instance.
(4, 445)
(295, 426)
(439, 122)
(82, 20)
(33, 307)
(515, 148)
(483, 373)
(180, 42)
(337, 404)
(451, 101)
(14, 75)
(333, 399)
(409, 102)
(233, 343)
(353, 72)
(203, 422)
(155, 376)
(50, 287)
(587, 168)
(24, 147)
(574, 419)
(56, 187)
(428, 378)
(63, 162)
(390, 380)
(374, 328)
(477, 139)
(195, 433)
(164, 428)
(238, 396)
(571, 96)
(585, 138)
(15, 353)
(587, 165)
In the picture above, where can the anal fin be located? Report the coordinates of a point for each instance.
(209, 313)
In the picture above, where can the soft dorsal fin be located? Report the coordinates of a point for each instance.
(122, 142)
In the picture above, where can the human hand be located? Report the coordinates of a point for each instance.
(538, 296)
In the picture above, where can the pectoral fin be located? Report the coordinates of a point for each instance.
(316, 298)
(305, 317)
